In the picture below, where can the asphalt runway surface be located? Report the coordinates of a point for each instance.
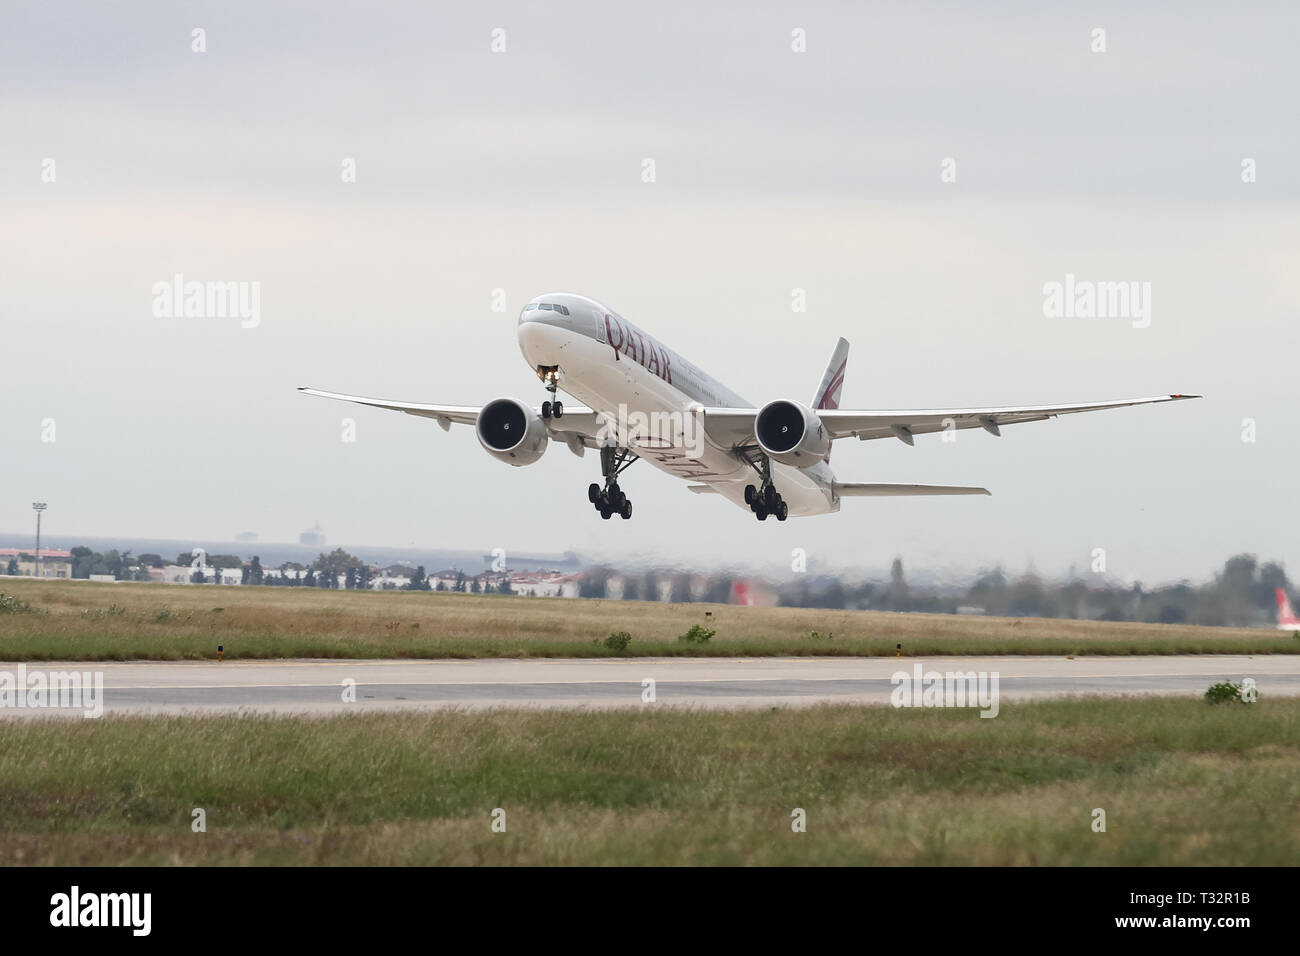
(320, 686)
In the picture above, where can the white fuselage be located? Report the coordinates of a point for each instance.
(615, 368)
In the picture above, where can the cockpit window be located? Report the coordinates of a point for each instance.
(562, 309)
(545, 306)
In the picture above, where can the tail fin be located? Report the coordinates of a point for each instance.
(828, 392)
(1286, 618)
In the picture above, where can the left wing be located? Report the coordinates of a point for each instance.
(735, 426)
(578, 427)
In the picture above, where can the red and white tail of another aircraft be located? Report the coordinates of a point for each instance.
(1286, 619)
(643, 401)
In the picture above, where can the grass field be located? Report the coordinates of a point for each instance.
(1181, 782)
(92, 621)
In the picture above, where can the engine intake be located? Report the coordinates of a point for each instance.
(791, 434)
(511, 431)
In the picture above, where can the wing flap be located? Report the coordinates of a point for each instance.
(865, 489)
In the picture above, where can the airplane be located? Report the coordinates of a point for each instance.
(1286, 619)
(644, 401)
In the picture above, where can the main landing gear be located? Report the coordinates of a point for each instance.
(765, 500)
(550, 376)
(610, 500)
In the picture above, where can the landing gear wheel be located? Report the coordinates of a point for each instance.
(609, 498)
(750, 494)
(782, 511)
(546, 409)
(557, 410)
(761, 513)
(770, 498)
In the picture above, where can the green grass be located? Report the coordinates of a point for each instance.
(92, 621)
(1181, 781)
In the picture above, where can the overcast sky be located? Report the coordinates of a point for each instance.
(522, 171)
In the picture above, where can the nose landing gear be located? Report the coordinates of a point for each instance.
(610, 500)
(550, 376)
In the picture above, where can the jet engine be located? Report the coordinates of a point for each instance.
(511, 431)
(791, 434)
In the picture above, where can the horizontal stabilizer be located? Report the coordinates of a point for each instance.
(864, 489)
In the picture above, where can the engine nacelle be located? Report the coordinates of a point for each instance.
(791, 434)
(511, 431)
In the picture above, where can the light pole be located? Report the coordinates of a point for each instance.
(38, 507)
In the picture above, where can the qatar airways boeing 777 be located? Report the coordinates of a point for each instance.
(643, 401)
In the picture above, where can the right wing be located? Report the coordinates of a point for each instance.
(578, 427)
(863, 489)
(445, 415)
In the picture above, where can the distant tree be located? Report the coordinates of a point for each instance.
(833, 596)
(593, 582)
(13, 566)
(460, 581)
(309, 579)
(83, 559)
(504, 587)
(256, 574)
(1029, 598)
(151, 560)
(331, 566)
(419, 580)
(473, 587)
(898, 592)
(441, 586)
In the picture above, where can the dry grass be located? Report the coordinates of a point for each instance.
(1181, 781)
(92, 621)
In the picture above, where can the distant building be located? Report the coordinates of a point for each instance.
(175, 574)
(447, 578)
(546, 584)
(313, 537)
(54, 563)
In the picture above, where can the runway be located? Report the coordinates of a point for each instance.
(322, 686)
